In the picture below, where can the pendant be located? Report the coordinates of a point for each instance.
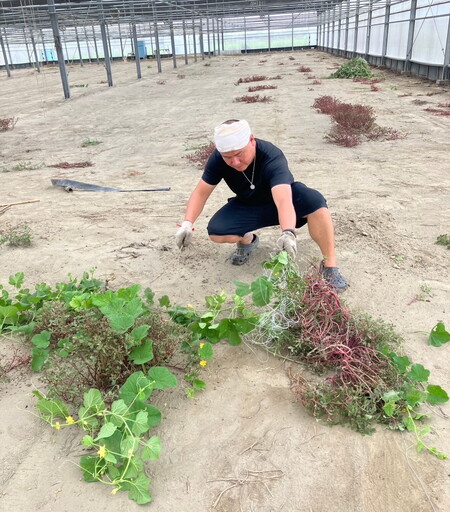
(252, 186)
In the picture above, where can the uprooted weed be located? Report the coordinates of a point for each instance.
(201, 155)
(257, 98)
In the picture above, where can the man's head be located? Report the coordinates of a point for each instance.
(236, 144)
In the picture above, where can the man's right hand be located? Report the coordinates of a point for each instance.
(183, 236)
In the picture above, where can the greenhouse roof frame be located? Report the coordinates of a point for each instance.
(19, 14)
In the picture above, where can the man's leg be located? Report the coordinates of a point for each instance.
(321, 230)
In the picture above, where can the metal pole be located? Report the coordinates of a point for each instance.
(33, 42)
(410, 43)
(95, 44)
(158, 51)
(213, 37)
(78, 45)
(268, 31)
(11, 65)
(218, 36)
(108, 39)
(105, 42)
(202, 46)
(355, 40)
(185, 43)
(369, 29)
(339, 29)
(87, 44)
(245, 34)
(222, 38)
(43, 46)
(5, 58)
(58, 47)
(347, 25)
(26, 45)
(387, 15)
(446, 66)
(292, 33)
(328, 29)
(137, 57)
(172, 43)
(193, 36)
(208, 34)
(121, 42)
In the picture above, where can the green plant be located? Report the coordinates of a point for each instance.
(443, 240)
(117, 435)
(438, 335)
(78, 85)
(16, 236)
(90, 142)
(354, 68)
(23, 166)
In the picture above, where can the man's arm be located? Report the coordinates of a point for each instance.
(198, 200)
(282, 196)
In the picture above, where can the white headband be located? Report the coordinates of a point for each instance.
(231, 137)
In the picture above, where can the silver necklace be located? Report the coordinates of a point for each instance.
(252, 186)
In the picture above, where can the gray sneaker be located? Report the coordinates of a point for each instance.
(333, 276)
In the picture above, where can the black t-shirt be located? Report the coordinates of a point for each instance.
(271, 169)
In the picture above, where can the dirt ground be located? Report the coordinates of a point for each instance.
(389, 202)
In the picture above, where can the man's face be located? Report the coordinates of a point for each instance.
(241, 158)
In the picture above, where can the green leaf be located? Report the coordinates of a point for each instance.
(122, 314)
(229, 331)
(151, 449)
(137, 386)
(198, 384)
(164, 301)
(128, 446)
(93, 398)
(10, 314)
(38, 358)
(41, 340)
(262, 290)
(149, 296)
(409, 423)
(142, 354)
(153, 413)
(436, 395)
(92, 467)
(438, 335)
(389, 408)
(50, 409)
(401, 362)
(140, 425)
(107, 430)
(163, 377)
(87, 441)
(242, 289)
(16, 280)
(129, 293)
(135, 466)
(138, 489)
(414, 397)
(205, 351)
(418, 373)
(119, 407)
(139, 333)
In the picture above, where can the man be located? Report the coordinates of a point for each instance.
(266, 195)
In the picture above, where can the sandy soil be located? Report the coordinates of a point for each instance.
(389, 201)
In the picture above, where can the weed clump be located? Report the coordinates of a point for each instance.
(352, 123)
(201, 155)
(354, 68)
(7, 123)
(16, 236)
(253, 99)
(261, 88)
(443, 240)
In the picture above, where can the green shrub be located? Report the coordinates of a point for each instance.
(353, 69)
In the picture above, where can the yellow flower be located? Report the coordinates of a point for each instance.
(58, 425)
(114, 491)
(70, 420)
(201, 345)
(102, 451)
(203, 362)
(190, 306)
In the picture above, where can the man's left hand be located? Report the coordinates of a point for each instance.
(288, 242)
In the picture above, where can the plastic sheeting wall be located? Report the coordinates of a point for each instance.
(430, 37)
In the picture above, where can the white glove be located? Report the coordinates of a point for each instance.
(288, 242)
(183, 236)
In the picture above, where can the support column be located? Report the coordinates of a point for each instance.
(208, 34)
(292, 33)
(185, 43)
(158, 50)
(26, 45)
(446, 66)
(339, 29)
(268, 31)
(36, 56)
(87, 44)
(78, 45)
(105, 42)
(200, 33)
(172, 43)
(5, 58)
(387, 15)
(410, 43)
(369, 29)
(347, 26)
(245, 35)
(355, 40)
(58, 47)
(193, 37)
(121, 41)
(137, 57)
(95, 44)
(11, 65)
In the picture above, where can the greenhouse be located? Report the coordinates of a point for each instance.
(224, 255)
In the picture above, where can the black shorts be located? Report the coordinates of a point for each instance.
(237, 218)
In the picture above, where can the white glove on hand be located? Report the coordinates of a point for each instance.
(183, 236)
(288, 242)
